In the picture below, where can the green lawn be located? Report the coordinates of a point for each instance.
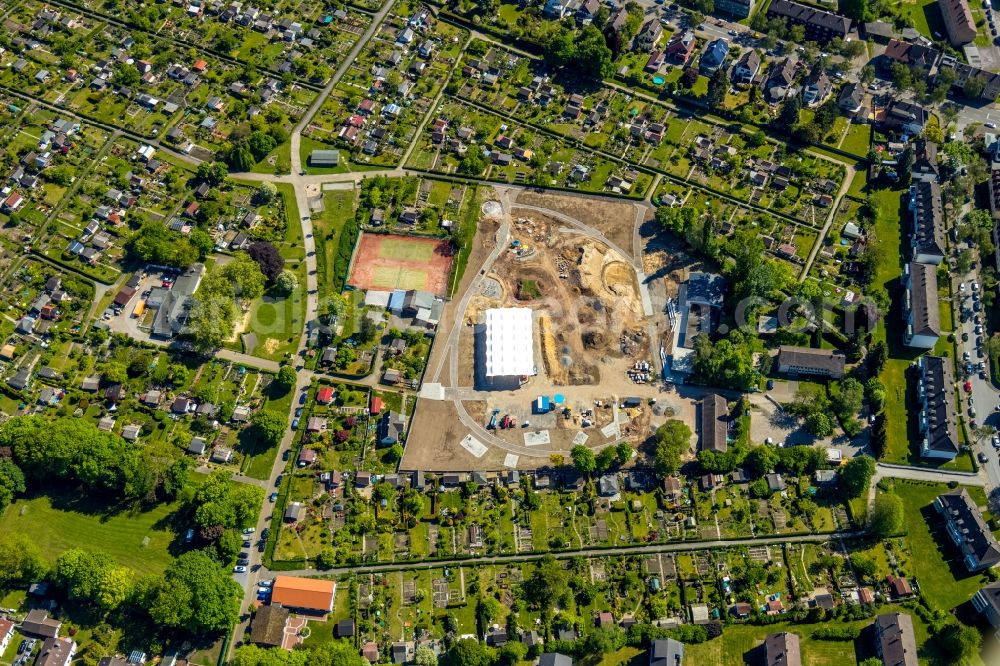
(857, 139)
(65, 519)
(738, 639)
(943, 579)
(277, 321)
(338, 208)
(925, 15)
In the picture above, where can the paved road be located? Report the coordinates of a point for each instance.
(844, 187)
(296, 138)
(678, 547)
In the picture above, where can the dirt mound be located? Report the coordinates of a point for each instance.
(594, 339)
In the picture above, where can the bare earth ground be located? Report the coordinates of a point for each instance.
(611, 218)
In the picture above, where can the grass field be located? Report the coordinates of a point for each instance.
(401, 262)
(943, 579)
(857, 139)
(66, 519)
(276, 322)
(400, 277)
(738, 640)
(405, 250)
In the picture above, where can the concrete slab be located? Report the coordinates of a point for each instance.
(432, 391)
(536, 438)
(510, 461)
(474, 446)
(580, 438)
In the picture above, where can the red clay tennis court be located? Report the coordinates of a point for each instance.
(385, 262)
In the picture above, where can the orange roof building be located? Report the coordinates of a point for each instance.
(309, 595)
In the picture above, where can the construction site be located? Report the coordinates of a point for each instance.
(562, 313)
(589, 322)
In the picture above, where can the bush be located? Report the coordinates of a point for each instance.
(345, 247)
(837, 633)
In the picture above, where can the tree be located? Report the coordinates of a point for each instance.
(761, 459)
(623, 453)
(490, 610)
(286, 282)
(223, 502)
(266, 192)
(21, 560)
(286, 377)
(864, 565)
(196, 595)
(583, 460)
(126, 75)
(878, 354)
(973, 88)
(960, 641)
(93, 578)
(606, 459)
(855, 9)
(885, 519)
(424, 656)
(11, 482)
(241, 277)
(673, 439)
(856, 474)
(582, 55)
(213, 173)
(269, 426)
(547, 586)
(788, 118)
(717, 87)
(268, 258)
(468, 652)
(210, 320)
(819, 425)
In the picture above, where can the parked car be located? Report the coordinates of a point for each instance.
(273, 497)
(239, 569)
(982, 457)
(249, 530)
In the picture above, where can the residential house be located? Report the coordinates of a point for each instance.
(850, 99)
(914, 55)
(267, 628)
(968, 530)
(925, 160)
(920, 306)
(958, 21)
(816, 89)
(906, 117)
(38, 623)
(714, 56)
(666, 652)
(714, 423)
(964, 72)
(680, 47)
(649, 35)
(554, 659)
(746, 68)
(820, 26)
(927, 238)
(937, 420)
(780, 79)
(56, 652)
(782, 649)
(895, 641)
(986, 601)
(736, 8)
(311, 596)
(808, 361)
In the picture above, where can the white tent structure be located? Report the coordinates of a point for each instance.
(509, 343)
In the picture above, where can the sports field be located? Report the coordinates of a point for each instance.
(385, 262)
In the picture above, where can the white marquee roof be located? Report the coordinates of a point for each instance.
(509, 343)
